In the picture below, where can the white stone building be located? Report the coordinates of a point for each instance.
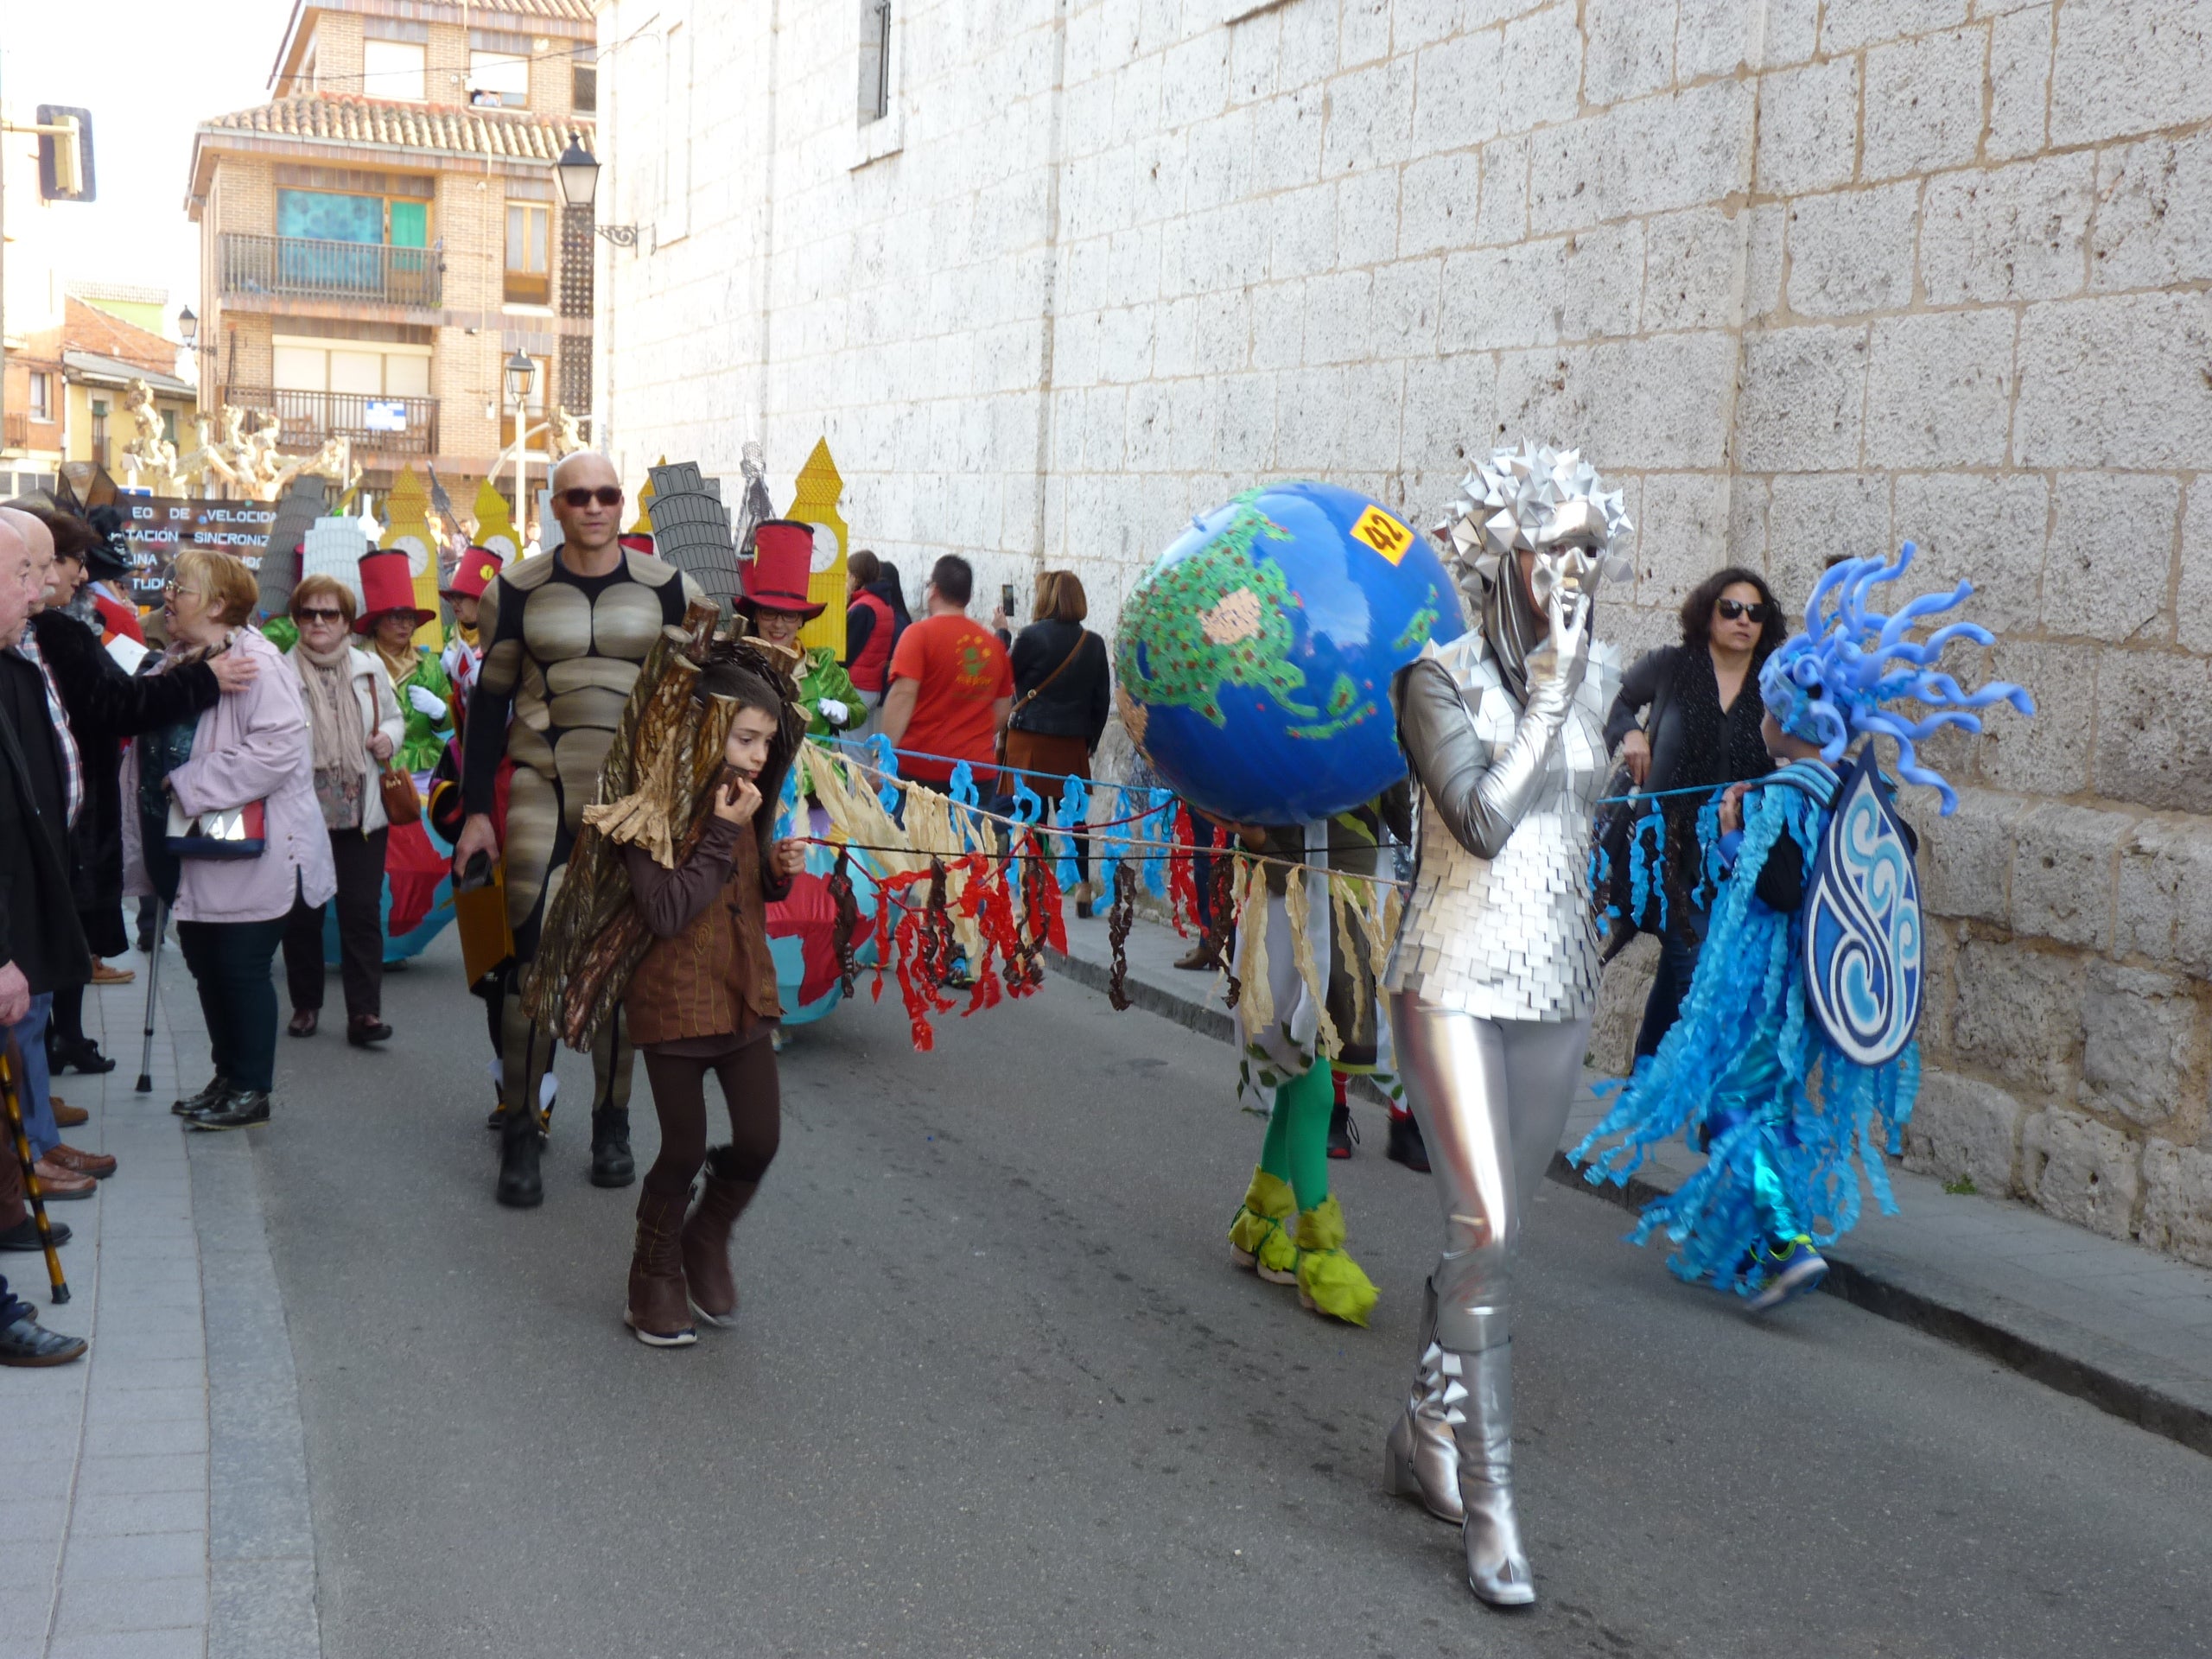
(1802, 277)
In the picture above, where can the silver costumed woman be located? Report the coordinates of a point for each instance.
(1493, 977)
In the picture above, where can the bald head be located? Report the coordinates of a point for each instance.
(19, 585)
(38, 542)
(588, 531)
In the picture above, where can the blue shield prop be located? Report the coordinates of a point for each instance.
(1864, 972)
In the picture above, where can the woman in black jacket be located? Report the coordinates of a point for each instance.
(1062, 691)
(1699, 708)
(105, 706)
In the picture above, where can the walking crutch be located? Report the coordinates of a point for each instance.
(11, 1073)
(145, 1084)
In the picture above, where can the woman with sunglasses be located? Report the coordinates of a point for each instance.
(354, 726)
(1688, 717)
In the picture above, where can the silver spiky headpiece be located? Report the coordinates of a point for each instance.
(1542, 500)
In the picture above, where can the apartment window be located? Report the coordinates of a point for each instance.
(498, 78)
(168, 425)
(530, 263)
(362, 368)
(42, 395)
(583, 82)
(100, 431)
(393, 69)
(875, 60)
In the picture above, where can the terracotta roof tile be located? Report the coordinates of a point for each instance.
(578, 11)
(340, 118)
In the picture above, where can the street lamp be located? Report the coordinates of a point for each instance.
(577, 174)
(520, 372)
(188, 325)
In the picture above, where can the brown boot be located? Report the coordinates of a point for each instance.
(659, 1311)
(706, 1242)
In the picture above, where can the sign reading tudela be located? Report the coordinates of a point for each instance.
(161, 527)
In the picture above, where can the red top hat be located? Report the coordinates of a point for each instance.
(388, 584)
(783, 557)
(637, 541)
(472, 574)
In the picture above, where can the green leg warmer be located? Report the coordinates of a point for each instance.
(1297, 1147)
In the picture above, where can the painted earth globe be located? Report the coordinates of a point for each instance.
(1254, 661)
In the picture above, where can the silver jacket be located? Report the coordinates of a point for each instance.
(1498, 924)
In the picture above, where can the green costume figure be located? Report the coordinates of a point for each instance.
(774, 604)
(389, 618)
(1290, 1228)
(823, 685)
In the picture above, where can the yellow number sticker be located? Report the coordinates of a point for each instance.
(1382, 533)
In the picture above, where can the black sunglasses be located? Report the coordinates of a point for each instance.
(322, 616)
(607, 495)
(1731, 609)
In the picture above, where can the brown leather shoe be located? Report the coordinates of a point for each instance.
(659, 1312)
(1205, 954)
(707, 1274)
(304, 1021)
(67, 1116)
(98, 1164)
(104, 975)
(55, 1183)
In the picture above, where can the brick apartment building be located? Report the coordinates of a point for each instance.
(381, 237)
(66, 386)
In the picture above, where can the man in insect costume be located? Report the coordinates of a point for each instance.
(1793, 1065)
(564, 635)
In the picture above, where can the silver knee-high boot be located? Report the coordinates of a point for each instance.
(1497, 1566)
(1421, 1460)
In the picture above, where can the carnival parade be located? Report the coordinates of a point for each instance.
(1305, 829)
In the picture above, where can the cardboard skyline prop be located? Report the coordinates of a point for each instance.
(814, 502)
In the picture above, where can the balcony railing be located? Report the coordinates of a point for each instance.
(396, 426)
(299, 268)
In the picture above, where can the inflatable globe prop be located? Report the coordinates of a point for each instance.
(1254, 661)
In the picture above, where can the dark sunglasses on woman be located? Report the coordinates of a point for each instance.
(312, 615)
(1729, 609)
(607, 495)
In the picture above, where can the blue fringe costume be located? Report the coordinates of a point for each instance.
(1787, 1121)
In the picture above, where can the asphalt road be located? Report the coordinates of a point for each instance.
(999, 1391)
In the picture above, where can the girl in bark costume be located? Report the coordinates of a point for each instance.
(1793, 1065)
(1493, 978)
(664, 914)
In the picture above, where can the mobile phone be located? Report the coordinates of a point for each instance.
(1005, 598)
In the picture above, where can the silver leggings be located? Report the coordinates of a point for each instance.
(1491, 1097)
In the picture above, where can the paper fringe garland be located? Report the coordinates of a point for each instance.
(968, 901)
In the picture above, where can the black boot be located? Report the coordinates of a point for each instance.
(217, 1089)
(1342, 1132)
(1406, 1146)
(611, 1164)
(519, 1186)
(76, 1053)
(242, 1109)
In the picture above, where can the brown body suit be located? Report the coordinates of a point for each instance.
(561, 652)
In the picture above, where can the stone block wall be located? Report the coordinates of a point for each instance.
(1802, 278)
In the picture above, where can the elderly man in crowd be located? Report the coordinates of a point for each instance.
(40, 945)
(53, 776)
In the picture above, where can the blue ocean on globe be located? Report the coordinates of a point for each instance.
(1254, 661)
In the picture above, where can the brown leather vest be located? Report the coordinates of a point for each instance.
(716, 975)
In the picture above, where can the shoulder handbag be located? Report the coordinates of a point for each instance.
(236, 832)
(401, 804)
(1031, 696)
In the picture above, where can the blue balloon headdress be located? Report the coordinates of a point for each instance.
(1829, 683)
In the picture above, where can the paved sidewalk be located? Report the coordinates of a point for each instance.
(157, 1503)
(2128, 1330)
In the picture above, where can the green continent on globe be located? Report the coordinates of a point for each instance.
(1217, 618)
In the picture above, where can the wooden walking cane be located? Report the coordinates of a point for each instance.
(145, 1083)
(11, 1071)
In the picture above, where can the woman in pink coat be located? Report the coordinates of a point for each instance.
(230, 913)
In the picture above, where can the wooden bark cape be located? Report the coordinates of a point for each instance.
(655, 792)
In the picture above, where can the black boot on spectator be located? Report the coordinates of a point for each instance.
(28, 1343)
(76, 1054)
(1342, 1132)
(611, 1164)
(217, 1087)
(520, 1187)
(246, 1109)
(23, 1236)
(1406, 1146)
